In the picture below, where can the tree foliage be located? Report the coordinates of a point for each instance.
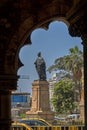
(63, 96)
(71, 63)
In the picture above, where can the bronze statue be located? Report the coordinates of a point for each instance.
(40, 67)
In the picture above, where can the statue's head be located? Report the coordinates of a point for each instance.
(39, 54)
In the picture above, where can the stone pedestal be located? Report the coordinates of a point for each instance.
(40, 101)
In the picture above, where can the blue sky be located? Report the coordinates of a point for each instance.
(52, 43)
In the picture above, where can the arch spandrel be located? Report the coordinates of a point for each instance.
(29, 15)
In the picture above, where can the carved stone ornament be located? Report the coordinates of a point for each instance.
(79, 28)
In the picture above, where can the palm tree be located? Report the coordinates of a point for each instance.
(72, 63)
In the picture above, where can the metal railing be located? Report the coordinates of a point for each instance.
(49, 128)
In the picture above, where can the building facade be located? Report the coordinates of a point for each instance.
(55, 78)
(20, 104)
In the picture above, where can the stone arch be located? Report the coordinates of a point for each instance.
(30, 20)
(15, 17)
(24, 37)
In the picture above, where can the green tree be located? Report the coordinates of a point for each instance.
(63, 99)
(72, 63)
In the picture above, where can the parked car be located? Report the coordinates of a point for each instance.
(73, 117)
(59, 121)
(35, 122)
(20, 126)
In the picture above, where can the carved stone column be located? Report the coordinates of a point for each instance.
(5, 106)
(9, 65)
(8, 71)
(7, 84)
(79, 29)
(81, 105)
(84, 38)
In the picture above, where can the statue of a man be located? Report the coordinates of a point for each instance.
(40, 67)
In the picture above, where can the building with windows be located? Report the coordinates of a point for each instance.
(55, 78)
(20, 103)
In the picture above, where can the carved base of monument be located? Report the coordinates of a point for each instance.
(40, 101)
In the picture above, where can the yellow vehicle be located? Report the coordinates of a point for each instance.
(20, 126)
(35, 122)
